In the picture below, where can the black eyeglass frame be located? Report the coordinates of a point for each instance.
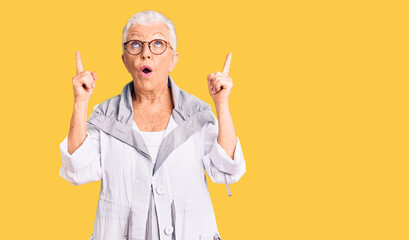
(149, 45)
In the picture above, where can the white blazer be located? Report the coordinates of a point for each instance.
(116, 154)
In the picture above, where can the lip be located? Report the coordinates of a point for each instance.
(145, 75)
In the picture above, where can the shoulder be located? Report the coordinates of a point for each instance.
(192, 105)
(198, 112)
(109, 107)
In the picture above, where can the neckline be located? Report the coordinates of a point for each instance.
(135, 126)
(153, 132)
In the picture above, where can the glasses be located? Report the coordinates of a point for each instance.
(157, 46)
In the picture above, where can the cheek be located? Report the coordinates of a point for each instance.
(132, 62)
(126, 61)
(164, 65)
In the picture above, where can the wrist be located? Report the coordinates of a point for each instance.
(81, 104)
(221, 104)
(222, 108)
(80, 108)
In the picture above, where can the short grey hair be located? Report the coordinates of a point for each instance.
(147, 17)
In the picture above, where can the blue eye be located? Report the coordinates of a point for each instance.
(158, 43)
(135, 44)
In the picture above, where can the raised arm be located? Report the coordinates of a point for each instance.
(83, 84)
(220, 85)
(80, 150)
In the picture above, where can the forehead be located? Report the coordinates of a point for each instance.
(148, 31)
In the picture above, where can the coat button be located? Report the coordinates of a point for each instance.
(168, 230)
(161, 190)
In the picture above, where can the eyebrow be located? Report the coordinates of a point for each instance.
(130, 35)
(159, 33)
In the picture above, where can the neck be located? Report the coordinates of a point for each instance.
(150, 95)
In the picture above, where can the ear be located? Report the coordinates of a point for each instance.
(173, 61)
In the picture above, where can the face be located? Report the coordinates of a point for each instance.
(161, 65)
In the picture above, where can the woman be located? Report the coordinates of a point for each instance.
(150, 145)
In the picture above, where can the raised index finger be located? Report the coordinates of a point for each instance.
(79, 62)
(226, 67)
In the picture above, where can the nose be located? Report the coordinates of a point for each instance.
(146, 52)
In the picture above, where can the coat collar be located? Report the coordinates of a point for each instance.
(125, 112)
(114, 116)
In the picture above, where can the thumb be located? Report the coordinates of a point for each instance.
(94, 76)
(210, 80)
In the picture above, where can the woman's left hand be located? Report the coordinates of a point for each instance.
(220, 84)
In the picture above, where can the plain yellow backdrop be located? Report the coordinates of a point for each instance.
(320, 104)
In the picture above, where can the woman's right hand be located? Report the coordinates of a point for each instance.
(83, 82)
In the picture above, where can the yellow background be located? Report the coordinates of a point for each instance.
(320, 104)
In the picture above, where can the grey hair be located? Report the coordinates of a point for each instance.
(147, 17)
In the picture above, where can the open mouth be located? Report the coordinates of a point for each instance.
(146, 69)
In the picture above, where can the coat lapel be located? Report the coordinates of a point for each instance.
(115, 118)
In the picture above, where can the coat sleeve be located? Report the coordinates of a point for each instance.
(83, 165)
(218, 165)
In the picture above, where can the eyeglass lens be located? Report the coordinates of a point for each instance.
(156, 46)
